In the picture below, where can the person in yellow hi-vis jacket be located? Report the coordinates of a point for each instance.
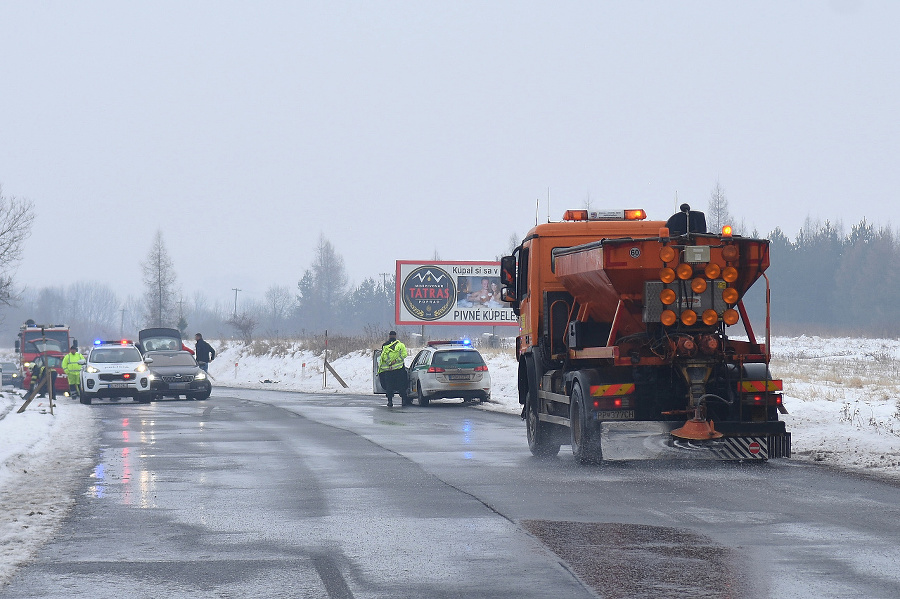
(392, 369)
(72, 369)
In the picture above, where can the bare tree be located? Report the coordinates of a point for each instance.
(278, 301)
(512, 243)
(50, 304)
(323, 287)
(245, 325)
(717, 214)
(16, 218)
(131, 316)
(160, 286)
(92, 307)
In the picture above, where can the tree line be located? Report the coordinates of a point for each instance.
(824, 281)
(321, 300)
(828, 280)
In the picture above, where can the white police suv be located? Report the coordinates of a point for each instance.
(115, 369)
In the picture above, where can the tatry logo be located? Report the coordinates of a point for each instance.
(429, 293)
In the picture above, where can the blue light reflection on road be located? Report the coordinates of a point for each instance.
(121, 473)
(467, 438)
(98, 489)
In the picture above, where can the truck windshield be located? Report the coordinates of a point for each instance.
(35, 343)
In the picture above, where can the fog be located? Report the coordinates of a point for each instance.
(405, 131)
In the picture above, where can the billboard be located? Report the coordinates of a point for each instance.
(453, 293)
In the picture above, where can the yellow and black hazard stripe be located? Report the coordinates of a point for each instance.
(614, 390)
(760, 386)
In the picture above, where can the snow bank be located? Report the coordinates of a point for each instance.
(43, 458)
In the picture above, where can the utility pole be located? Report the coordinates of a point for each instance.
(122, 323)
(235, 289)
(384, 276)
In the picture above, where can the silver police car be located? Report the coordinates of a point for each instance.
(449, 369)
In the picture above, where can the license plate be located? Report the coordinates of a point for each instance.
(118, 385)
(178, 385)
(614, 415)
(458, 377)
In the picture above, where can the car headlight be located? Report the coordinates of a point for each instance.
(28, 364)
(141, 368)
(151, 376)
(91, 370)
(201, 376)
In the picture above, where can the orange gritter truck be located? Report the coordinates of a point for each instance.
(624, 343)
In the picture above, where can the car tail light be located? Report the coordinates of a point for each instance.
(482, 368)
(435, 369)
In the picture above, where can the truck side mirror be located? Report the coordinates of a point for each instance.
(17, 346)
(507, 295)
(508, 271)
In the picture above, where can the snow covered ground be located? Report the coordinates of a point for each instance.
(843, 396)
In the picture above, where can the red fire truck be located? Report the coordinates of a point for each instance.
(46, 345)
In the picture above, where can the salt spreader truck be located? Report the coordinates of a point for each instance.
(624, 327)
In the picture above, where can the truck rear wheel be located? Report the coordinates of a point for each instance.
(585, 434)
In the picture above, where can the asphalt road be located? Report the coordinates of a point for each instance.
(266, 494)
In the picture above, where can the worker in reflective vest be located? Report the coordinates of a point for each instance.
(392, 369)
(72, 369)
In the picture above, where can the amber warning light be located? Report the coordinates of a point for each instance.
(574, 215)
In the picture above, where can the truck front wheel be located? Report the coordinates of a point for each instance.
(585, 433)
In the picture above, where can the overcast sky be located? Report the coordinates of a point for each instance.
(245, 130)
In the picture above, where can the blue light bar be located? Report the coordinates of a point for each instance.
(451, 342)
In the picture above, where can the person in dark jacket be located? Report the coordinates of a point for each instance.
(205, 352)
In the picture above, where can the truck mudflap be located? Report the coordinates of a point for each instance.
(649, 440)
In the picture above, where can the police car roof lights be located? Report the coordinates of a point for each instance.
(466, 342)
(114, 342)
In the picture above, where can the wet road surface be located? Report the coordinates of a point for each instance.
(266, 494)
